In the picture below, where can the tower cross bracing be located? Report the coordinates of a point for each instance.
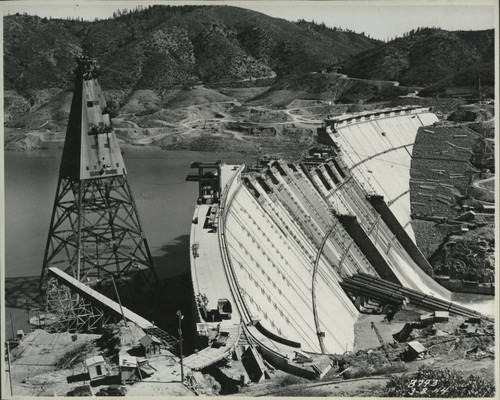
(95, 234)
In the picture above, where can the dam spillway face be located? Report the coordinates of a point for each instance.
(376, 147)
(279, 241)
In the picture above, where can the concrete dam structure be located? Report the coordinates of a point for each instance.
(271, 247)
(377, 147)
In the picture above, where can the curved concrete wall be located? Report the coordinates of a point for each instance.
(289, 234)
(377, 148)
(288, 220)
(274, 228)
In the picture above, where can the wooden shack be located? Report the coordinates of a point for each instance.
(128, 368)
(435, 316)
(96, 367)
(150, 345)
(416, 351)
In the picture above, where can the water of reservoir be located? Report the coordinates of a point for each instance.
(165, 203)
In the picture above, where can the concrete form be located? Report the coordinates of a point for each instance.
(128, 368)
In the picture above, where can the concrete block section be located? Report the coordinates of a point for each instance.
(362, 240)
(254, 365)
(391, 221)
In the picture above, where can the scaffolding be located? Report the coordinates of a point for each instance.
(68, 312)
(95, 233)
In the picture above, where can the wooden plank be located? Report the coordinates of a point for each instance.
(98, 298)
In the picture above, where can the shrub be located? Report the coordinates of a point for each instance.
(438, 383)
(74, 356)
(290, 380)
(364, 369)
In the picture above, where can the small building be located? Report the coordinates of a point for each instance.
(150, 345)
(416, 351)
(96, 367)
(441, 316)
(128, 367)
(427, 318)
(436, 316)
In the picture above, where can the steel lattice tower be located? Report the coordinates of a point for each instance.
(95, 233)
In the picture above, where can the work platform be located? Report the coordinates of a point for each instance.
(207, 266)
(214, 353)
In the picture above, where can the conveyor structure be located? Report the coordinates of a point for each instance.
(109, 309)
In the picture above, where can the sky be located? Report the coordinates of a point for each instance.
(380, 19)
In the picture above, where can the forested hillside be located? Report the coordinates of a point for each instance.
(430, 57)
(163, 47)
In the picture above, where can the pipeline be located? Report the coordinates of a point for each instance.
(381, 289)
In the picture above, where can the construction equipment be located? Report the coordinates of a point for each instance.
(95, 235)
(379, 337)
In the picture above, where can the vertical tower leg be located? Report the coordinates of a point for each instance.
(96, 233)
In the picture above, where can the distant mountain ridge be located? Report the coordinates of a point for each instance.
(430, 57)
(163, 47)
(162, 58)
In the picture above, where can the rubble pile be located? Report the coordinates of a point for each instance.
(441, 170)
(469, 258)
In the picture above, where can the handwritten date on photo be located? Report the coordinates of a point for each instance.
(419, 387)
